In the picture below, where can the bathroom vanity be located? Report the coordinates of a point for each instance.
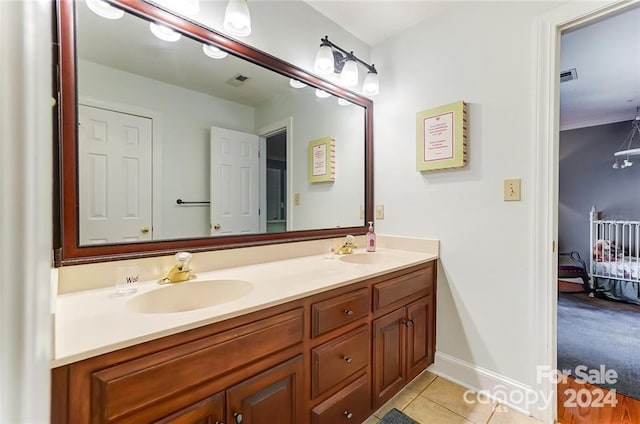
(317, 340)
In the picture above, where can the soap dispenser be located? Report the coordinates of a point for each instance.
(371, 238)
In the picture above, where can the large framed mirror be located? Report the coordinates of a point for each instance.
(167, 145)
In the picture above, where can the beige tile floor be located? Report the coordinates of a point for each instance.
(431, 399)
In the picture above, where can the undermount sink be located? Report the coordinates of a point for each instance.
(365, 258)
(189, 296)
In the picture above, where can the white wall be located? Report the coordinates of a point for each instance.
(327, 204)
(25, 211)
(185, 120)
(485, 54)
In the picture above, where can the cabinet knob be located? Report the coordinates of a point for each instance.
(348, 415)
(409, 322)
(348, 312)
(348, 359)
(238, 417)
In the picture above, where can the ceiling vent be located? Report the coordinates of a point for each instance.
(568, 75)
(237, 80)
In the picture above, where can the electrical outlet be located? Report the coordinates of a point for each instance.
(379, 211)
(512, 190)
(296, 199)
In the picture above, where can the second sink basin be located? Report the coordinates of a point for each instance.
(189, 296)
(365, 258)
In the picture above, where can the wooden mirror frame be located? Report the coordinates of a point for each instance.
(67, 250)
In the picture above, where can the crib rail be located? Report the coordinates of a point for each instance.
(615, 249)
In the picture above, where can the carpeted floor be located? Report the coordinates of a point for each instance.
(595, 332)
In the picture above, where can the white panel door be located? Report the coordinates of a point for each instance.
(114, 176)
(234, 182)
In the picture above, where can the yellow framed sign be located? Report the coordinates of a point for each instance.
(322, 160)
(441, 137)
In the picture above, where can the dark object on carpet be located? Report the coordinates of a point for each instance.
(396, 417)
(594, 333)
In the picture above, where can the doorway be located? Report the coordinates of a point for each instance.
(544, 261)
(276, 180)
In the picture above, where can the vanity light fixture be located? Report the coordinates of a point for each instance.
(322, 94)
(164, 33)
(296, 84)
(332, 58)
(237, 20)
(214, 52)
(626, 148)
(104, 9)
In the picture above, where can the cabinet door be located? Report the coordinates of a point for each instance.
(207, 411)
(389, 374)
(420, 331)
(274, 396)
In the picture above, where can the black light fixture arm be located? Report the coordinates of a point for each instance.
(347, 55)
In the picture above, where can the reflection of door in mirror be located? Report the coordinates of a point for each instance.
(234, 182)
(114, 176)
(276, 145)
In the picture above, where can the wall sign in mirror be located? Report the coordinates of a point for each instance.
(146, 121)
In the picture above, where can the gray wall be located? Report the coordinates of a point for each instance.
(587, 178)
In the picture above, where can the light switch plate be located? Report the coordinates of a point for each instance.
(379, 211)
(296, 199)
(512, 190)
(361, 211)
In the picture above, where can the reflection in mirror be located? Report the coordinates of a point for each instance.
(162, 121)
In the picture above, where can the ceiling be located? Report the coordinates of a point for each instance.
(373, 21)
(606, 54)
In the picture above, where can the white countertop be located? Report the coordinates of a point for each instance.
(94, 322)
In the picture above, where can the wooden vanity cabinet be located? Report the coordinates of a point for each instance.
(403, 331)
(329, 358)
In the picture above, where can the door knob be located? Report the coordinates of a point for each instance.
(217, 226)
(144, 230)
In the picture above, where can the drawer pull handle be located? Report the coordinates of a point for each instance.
(348, 359)
(238, 417)
(348, 312)
(348, 415)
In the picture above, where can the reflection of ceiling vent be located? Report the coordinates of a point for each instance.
(237, 80)
(569, 75)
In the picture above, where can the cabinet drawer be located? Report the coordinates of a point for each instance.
(337, 360)
(135, 384)
(418, 283)
(338, 311)
(349, 405)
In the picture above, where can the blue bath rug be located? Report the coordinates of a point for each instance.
(396, 417)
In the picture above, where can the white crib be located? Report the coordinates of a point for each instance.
(615, 248)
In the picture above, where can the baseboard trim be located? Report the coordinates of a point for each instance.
(504, 390)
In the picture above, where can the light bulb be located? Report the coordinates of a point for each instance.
(237, 20)
(371, 85)
(349, 74)
(627, 163)
(322, 94)
(296, 84)
(615, 165)
(214, 52)
(324, 64)
(104, 9)
(164, 33)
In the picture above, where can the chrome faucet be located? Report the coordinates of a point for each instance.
(348, 246)
(181, 271)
